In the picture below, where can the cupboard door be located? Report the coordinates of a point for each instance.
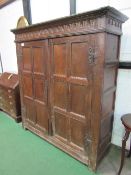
(35, 90)
(71, 90)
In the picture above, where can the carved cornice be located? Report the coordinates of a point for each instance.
(89, 22)
(68, 29)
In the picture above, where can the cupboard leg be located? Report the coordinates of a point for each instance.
(18, 119)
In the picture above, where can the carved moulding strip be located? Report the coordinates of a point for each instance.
(113, 22)
(81, 26)
(114, 25)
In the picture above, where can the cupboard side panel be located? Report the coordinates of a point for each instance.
(97, 67)
(109, 89)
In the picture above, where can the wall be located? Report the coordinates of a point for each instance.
(49, 9)
(9, 15)
(8, 20)
(123, 95)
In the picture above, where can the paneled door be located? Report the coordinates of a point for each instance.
(71, 90)
(35, 84)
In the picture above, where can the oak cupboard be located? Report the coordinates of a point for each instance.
(67, 72)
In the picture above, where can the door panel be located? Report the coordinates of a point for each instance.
(27, 60)
(39, 60)
(78, 95)
(60, 59)
(60, 94)
(30, 110)
(77, 130)
(71, 89)
(40, 89)
(79, 59)
(61, 125)
(35, 82)
(27, 85)
(41, 116)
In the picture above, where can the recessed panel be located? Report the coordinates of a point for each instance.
(60, 59)
(41, 115)
(107, 106)
(61, 125)
(77, 132)
(38, 60)
(109, 77)
(106, 126)
(27, 61)
(39, 89)
(27, 84)
(78, 95)
(30, 109)
(79, 60)
(60, 94)
(111, 47)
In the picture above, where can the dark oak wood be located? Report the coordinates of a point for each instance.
(126, 121)
(10, 95)
(67, 73)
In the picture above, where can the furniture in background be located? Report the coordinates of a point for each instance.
(126, 121)
(67, 72)
(10, 95)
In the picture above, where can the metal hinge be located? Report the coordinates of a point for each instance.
(91, 55)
